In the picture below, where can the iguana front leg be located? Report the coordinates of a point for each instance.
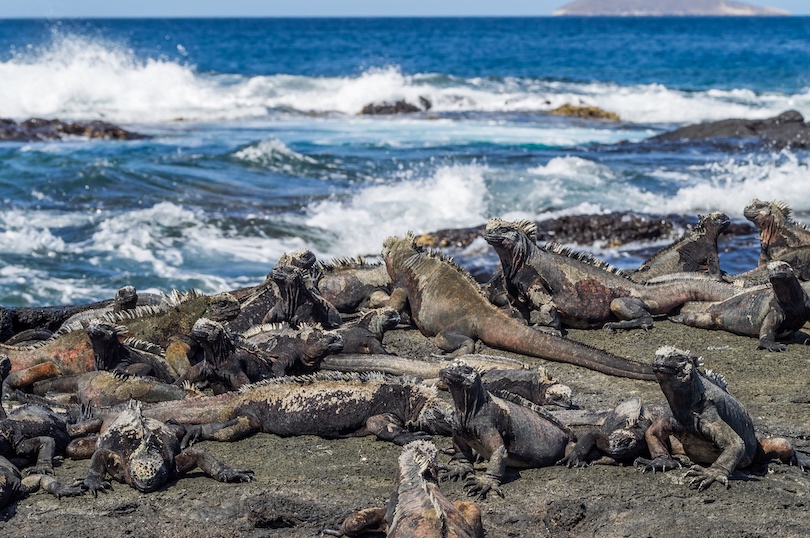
(632, 312)
(192, 458)
(387, 427)
(460, 464)
(657, 436)
(232, 430)
(480, 486)
(731, 444)
(767, 333)
(58, 489)
(102, 463)
(44, 448)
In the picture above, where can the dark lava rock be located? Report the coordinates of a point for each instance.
(37, 129)
(399, 107)
(562, 516)
(787, 130)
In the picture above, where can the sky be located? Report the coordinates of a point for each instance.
(303, 8)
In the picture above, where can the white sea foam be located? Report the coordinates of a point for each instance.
(453, 197)
(270, 151)
(80, 77)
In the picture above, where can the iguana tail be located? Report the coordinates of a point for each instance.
(518, 338)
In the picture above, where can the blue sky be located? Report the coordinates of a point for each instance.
(302, 8)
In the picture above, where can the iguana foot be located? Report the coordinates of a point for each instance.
(480, 486)
(773, 346)
(455, 470)
(573, 460)
(94, 484)
(661, 463)
(229, 474)
(39, 469)
(193, 434)
(60, 489)
(801, 460)
(703, 477)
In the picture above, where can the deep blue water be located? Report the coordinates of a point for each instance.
(257, 147)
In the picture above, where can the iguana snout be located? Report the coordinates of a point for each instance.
(459, 373)
(674, 363)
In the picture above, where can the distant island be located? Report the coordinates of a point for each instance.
(657, 8)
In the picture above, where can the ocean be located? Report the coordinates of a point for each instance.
(256, 147)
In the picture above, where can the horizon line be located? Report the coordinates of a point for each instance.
(478, 16)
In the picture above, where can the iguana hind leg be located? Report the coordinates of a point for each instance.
(632, 312)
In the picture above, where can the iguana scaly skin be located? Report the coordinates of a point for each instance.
(696, 251)
(498, 373)
(329, 405)
(445, 302)
(710, 424)
(145, 454)
(417, 508)
(771, 313)
(352, 284)
(586, 292)
(107, 389)
(504, 429)
(114, 352)
(778, 232)
(69, 351)
(365, 335)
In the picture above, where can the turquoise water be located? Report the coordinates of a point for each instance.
(257, 147)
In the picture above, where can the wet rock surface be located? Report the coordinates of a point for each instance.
(38, 129)
(398, 107)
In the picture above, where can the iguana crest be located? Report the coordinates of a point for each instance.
(526, 226)
(583, 257)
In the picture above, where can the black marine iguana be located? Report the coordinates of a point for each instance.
(232, 360)
(417, 508)
(710, 424)
(445, 302)
(500, 427)
(620, 439)
(587, 292)
(695, 252)
(365, 335)
(327, 404)
(115, 352)
(145, 454)
(772, 313)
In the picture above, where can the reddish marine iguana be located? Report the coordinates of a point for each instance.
(772, 313)
(417, 508)
(445, 302)
(778, 233)
(327, 404)
(587, 292)
(710, 424)
(499, 427)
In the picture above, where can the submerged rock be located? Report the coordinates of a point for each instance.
(36, 129)
(398, 107)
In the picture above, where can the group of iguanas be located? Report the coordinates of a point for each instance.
(133, 372)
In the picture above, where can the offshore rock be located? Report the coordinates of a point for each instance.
(399, 107)
(787, 130)
(37, 129)
(587, 112)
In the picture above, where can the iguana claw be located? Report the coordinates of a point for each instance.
(703, 477)
(480, 486)
(455, 471)
(661, 463)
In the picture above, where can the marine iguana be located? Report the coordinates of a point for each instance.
(417, 508)
(772, 313)
(498, 373)
(145, 454)
(696, 251)
(296, 303)
(710, 424)
(620, 439)
(107, 389)
(587, 292)
(327, 404)
(778, 232)
(365, 335)
(13, 486)
(275, 350)
(69, 350)
(352, 284)
(445, 302)
(114, 352)
(500, 427)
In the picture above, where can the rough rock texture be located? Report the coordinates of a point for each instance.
(787, 130)
(398, 107)
(36, 129)
(587, 112)
(654, 8)
(305, 484)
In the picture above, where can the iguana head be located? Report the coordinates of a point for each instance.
(418, 462)
(213, 337)
(716, 222)
(511, 240)
(223, 307)
(104, 337)
(301, 258)
(465, 386)
(146, 469)
(671, 363)
(319, 344)
(382, 319)
(786, 285)
(770, 219)
(398, 249)
(126, 298)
